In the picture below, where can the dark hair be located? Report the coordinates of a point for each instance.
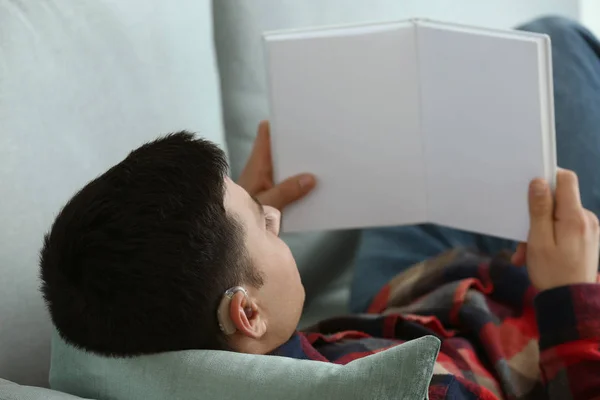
(138, 260)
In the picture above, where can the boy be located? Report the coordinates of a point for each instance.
(163, 252)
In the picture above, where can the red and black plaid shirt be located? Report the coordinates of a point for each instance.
(500, 339)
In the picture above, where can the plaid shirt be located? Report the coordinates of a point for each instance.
(484, 311)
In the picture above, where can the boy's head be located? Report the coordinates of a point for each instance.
(139, 260)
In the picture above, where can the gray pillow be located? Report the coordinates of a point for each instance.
(12, 391)
(402, 372)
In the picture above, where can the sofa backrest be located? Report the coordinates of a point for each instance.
(82, 82)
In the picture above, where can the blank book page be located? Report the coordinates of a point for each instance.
(483, 128)
(345, 106)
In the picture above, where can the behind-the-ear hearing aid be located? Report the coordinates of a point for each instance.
(225, 323)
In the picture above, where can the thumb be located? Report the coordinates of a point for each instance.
(541, 210)
(520, 255)
(288, 191)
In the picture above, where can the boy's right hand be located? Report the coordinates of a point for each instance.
(563, 244)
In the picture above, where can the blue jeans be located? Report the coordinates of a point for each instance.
(384, 252)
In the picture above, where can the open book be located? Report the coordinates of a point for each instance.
(412, 122)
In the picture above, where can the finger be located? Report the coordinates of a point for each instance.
(262, 143)
(541, 230)
(520, 255)
(288, 191)
(258, 172)
(260, 148)
(568, 199)
(593, 224)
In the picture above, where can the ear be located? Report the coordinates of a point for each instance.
(246, 317)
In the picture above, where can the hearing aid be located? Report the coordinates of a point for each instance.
(225, 323)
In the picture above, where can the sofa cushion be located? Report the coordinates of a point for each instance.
(402, 372)
(12, 391)
(82, 82)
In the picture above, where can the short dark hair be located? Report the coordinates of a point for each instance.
(138, 260)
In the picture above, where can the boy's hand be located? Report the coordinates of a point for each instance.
(562, 248)
(257, 177)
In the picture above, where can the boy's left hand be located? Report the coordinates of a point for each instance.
(257, 176)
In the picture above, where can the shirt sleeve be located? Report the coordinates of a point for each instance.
(568, 319)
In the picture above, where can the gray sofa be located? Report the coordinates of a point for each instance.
(84, 81)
